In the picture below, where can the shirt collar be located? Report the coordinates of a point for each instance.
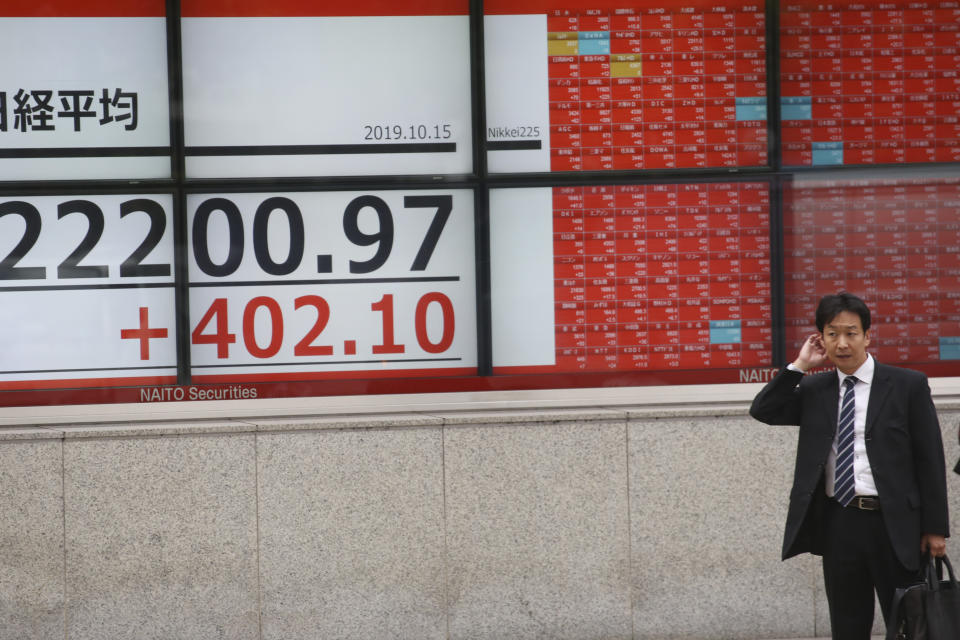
(863, 374)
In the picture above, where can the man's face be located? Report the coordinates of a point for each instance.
(846, 342)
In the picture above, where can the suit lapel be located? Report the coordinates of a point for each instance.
(879, 392)
(830, 399)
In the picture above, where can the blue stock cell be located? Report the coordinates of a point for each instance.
(724, 331)
(751, 109)
(796, 108)
(594, 43)
(827, 153)
(751, 112)
(950, 348)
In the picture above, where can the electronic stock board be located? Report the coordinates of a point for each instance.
(293, 291)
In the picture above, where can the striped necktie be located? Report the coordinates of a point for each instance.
(843, 487)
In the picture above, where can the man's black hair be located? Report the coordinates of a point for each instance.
(832, 305)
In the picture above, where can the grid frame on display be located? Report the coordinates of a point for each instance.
(628, 193)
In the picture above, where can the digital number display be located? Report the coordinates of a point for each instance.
(869, 83)
(292, 88)
(896, 242)
(313, 285)
(625, 85)
(632, 278)
(71, 110)
(86, 291)
(290, 209)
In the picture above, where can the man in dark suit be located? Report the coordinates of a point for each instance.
(869, 489)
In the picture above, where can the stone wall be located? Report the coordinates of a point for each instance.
(589, 523)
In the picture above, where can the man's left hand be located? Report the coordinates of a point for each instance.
(935, 543)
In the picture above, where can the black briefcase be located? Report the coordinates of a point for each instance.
(928, 609)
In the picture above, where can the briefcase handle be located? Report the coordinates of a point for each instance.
(935, 576)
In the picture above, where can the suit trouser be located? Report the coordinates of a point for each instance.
(858, 559)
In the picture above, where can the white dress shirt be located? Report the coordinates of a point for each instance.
(864, 484)
(862, 474)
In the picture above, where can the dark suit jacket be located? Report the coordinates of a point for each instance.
(903, 445)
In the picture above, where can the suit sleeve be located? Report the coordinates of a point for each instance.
(779, 401)
(956, 469)
(929, 459)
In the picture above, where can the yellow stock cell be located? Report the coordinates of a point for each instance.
(562, 48)
(626, 69)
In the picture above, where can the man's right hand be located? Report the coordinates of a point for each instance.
(812, 353)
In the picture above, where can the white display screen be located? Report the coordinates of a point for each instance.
(84, 90)
(304, 89)
(309, 285)
(86, 291)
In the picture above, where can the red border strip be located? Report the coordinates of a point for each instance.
(843, 5)
(233, 378)
(379, 386)
(366, 386)
(83, 8)
(518, 7)
(322, 8)
(15, 385)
